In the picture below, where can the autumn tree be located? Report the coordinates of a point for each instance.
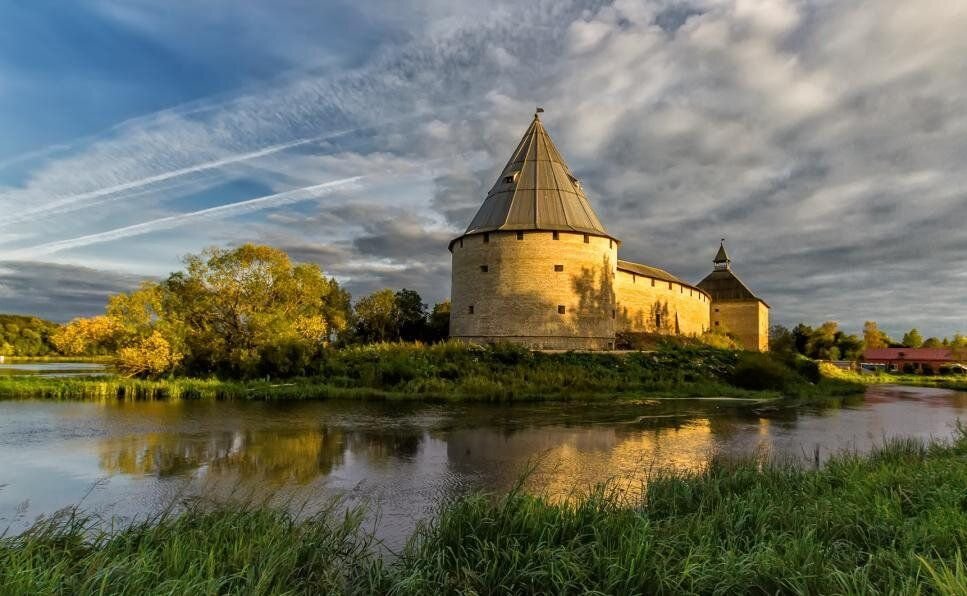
(87, 336)
(873, 337)
(232, 307)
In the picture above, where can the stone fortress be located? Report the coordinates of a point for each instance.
(537, 267)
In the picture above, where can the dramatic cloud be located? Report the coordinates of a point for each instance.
(59, 292)
(823, 139)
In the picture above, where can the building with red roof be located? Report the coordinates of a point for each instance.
(915, 359)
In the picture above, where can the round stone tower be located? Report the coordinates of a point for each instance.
(535, 266)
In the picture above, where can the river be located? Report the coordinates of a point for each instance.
(131, 459)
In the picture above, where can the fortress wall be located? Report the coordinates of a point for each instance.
(747, 320)
(517, 298)
(641, 298)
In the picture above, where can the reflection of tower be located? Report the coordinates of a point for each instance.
(734, 308)
(535, 266)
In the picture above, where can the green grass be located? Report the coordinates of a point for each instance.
(458, 372)
(894, 521)
(955, 382)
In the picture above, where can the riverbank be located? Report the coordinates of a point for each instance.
(892, 521)
(455, 372)
(952, 382)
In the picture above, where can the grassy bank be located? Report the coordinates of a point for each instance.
(954, 382)
(495, 373)
(894, 521)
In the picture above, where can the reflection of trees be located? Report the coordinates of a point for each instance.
(158, 454)
(277, 457)
(283, 457)
(378, 447)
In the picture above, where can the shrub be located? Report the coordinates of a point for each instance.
(762, 372)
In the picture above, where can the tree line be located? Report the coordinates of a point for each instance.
(245, 312)
(829, 342)
(26, 336)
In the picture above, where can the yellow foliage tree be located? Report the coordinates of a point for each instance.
(82, 335)
(149, 357)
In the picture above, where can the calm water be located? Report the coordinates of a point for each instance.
(131, 459)
(52, 369)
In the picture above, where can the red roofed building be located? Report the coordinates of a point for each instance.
(917, 359)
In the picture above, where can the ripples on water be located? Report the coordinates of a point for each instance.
(404, 458)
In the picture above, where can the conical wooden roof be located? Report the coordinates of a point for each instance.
(536, 191)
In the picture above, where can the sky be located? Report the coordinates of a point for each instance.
(825, 140)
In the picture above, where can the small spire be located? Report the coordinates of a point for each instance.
(721, 259)
(538, 112)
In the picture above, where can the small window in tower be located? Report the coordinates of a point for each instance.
(669, 285)
(484, 268)
(587, 239)
(510, 179)
(716, 310)
(556, 235)
(681, 289)
(634, 279)
(653, 282)
(520, 235)
(716, 323)
(486, 238)
(610, 243)
(470, 310)
(461, 243)
(560, 309)
(613, 313)
(558, 267)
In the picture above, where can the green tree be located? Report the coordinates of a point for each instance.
(821, 340)
(931, 342)
(801, 334)
(781, 340)
(376, 318)
(438, 326)
(410, 315)
(912, 339)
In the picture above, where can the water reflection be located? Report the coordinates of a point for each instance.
(407, 457)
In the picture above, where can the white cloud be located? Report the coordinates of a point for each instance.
(824, 139)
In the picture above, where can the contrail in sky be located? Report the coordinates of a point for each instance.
(62, 202)
(174, 221)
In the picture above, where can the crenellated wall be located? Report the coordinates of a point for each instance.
(649, 304)
(527, 281)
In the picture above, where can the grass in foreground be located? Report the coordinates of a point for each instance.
(496, 373)
(894, 521)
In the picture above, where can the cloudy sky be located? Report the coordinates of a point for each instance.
(827, 140)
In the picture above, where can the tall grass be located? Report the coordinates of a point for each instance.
(452, 371)
(893, 521)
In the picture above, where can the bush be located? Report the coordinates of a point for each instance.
(761, 372)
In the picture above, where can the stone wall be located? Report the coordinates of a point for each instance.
(650, 305)
(747, 320)
(527, 282)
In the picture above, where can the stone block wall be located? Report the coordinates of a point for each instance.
(650, 305)
(747, 320)
(510, 289)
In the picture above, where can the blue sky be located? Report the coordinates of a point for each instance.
(825, 140)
